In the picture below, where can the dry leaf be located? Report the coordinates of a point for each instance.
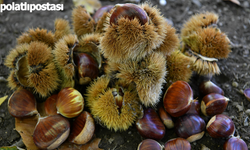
(2, 99)
(25, 127)
(91, 145)
(11, 148)
(90, 5)
(234, 1)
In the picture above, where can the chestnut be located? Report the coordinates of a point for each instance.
(129, 11)
(213, 104)
(220, 126)
(247, 93)
(51, 131)
(22, 103)
(70, 102)
(98, 14)
(50, 105)
(195, 108)
(87, 67)
(190, 127)
(149, 144)
(177, 144)
(207, 87)
(150, 125)
(166, 118)
(177, 99)
(235, 143)
(82, 128)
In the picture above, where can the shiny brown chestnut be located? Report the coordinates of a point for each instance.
(177, 99)
(177, 144)
(190, 127)
(50, 105)
(69, 102)
(98, 14)
(195, 108)
(150, 125)
(220, 126)
(207, 87)
(82, 128)
(22, 103)
(247, 93)
(87, 67)
(166, 118)
(51, 131)
(149, 144)
(129, 11)
(235, 143)
(213, 104)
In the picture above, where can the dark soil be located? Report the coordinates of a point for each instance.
(235, 76)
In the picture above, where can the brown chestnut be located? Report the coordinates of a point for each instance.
(195, 108)
(70, 102)
(51, 131)
(82, 128)
(22, 103)
(190, 127)
(129, 11)
(87, 67)
(247, 93)
(98, 14)
(50, 105)
(177, 144)
(166, 118)
(213, 104)
(149, 144)
(207, 87)
(235, 143)
(220, 126)
(150, 125)
(177, 99)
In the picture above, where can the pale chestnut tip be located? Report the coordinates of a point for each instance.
(70, 102)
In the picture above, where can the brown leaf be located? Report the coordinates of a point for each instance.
(234, 1)
(91, 145)
(25, 127)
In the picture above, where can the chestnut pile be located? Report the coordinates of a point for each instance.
(182, 113)
(117, 63)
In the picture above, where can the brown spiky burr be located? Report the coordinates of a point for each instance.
(148, 75)
(37, 34)
(62, 28)
(128, 37)
(83, 23)
(64, 59)
(179, 67)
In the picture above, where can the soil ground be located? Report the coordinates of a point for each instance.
(234, 77)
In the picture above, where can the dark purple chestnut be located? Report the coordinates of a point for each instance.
(213, 104)
(177, 144)
(220, 126)
(150, 125)
(104, 9)
(190, 127)
(235, 143)
(247, 93)
(195, 108)
(129, 11)
(208, 87)
(149, 144)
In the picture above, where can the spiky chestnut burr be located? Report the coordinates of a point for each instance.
(62, 28)
(199, 21)
(179, 67)
(113, 103)
(64, 59)
(147, 74)
(37, 34)
(43, 75)
(132, 37)
(204, 43)
(83, 23)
